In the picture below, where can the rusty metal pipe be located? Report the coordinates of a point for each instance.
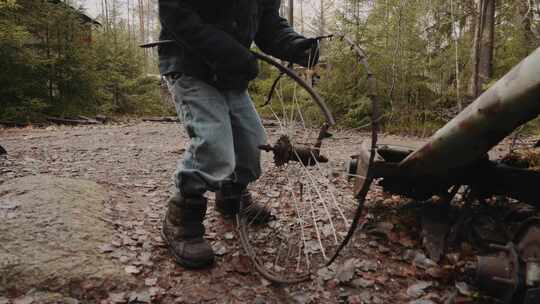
(511, 102)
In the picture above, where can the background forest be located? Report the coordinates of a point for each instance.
(431, 58)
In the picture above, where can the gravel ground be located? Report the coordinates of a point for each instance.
(385, 262)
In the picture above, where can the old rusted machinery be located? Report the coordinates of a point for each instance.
(513, 273)
(457, 155)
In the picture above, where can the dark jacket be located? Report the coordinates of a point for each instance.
(215, 36)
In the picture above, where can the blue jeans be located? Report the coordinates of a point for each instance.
(225, 132)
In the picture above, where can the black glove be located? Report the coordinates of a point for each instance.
(306, 52)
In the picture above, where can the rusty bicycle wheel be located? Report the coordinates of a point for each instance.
(300, 186)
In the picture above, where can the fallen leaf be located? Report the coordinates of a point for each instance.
(367, 265)
(242, 264)
(418, 289)
(325, 273)
(346, 272)
(363, 283)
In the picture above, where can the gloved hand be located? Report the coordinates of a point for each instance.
(306, 52)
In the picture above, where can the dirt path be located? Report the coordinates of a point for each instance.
(135, 163)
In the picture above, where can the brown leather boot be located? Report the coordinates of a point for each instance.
(183, 231)
(228, 204)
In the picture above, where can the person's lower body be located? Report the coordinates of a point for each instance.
(224, 157)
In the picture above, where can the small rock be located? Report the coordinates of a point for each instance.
(421, 301)
(365, 296)
(454, 258)
(373, 244)
(220, 249)
(464, 288)
(155, 292)
(150, 282)
(312, 246)
(422, 261)
(106, 248)
(132, 269)
(363, 283)
(24, 300)
(117, 298)
(145, 259)
(124, 259)
(8, 205)
(408, 255)
(354, 299)
(418, 289)
(301, 298)
(265, 282)
(383, 249)
(435, 272)
(273, 194)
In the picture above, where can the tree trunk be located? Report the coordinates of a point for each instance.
(483, 44)
(291, 12)
(322, 18)
(302, 30)
(526, 16)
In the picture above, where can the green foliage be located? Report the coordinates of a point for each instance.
(419, 51)
(54, 64)
(286, 91)
(415, 50)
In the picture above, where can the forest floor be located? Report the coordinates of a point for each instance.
(135, 163)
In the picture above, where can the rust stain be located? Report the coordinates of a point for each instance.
(466, 124)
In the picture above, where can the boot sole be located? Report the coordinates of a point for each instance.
(182, 261)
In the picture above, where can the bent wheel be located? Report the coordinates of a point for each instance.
(299, 186)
